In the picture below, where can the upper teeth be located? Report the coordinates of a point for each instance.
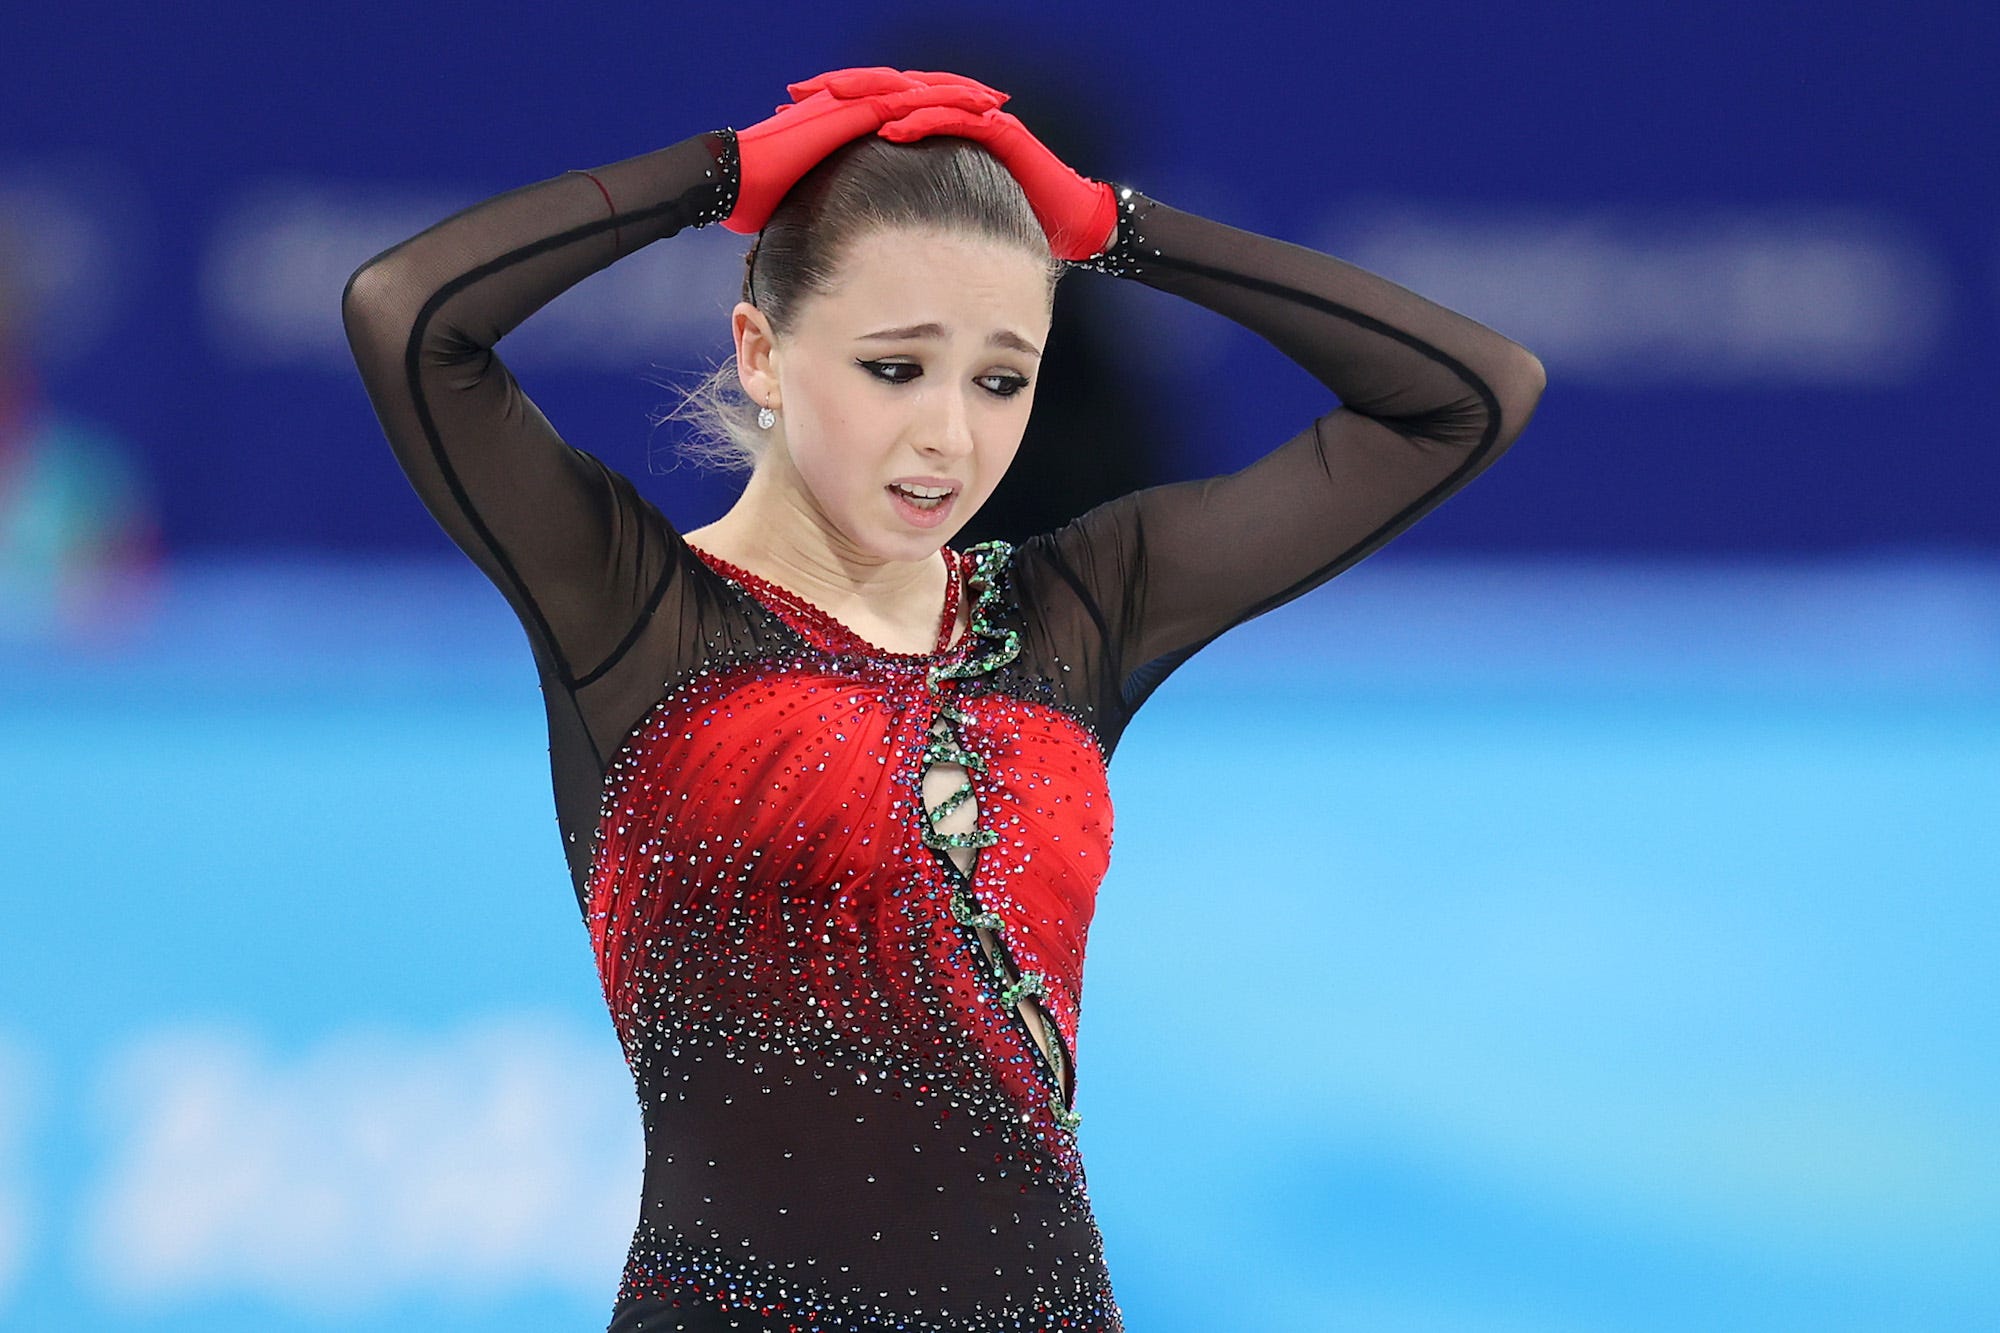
(924, 492)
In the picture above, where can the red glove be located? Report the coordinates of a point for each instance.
(873, 79)
(1076, 211)
(827, 111)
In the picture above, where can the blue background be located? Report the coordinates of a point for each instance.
(1584, 918)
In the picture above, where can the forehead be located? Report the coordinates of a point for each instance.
(906, 276)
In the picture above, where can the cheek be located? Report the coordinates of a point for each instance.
(835, 455)
(1002, 458)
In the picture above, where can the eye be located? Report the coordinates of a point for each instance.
(1008, 385)
(1012, 384)
(877, 368)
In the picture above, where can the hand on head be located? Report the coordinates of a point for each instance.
(1075, 211)
(826, 112)
(831, 109)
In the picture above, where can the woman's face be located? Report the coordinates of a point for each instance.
(918, 368)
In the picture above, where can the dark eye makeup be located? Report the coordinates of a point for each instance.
(1014, 383)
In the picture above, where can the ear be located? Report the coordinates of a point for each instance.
(756, 354)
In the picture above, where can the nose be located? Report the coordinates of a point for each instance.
(950, 433)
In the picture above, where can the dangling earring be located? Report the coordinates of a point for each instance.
(766, 418)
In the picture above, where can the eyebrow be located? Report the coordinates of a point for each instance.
(1003, 338)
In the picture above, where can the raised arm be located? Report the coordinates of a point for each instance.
(1428, 400)
(575, 550)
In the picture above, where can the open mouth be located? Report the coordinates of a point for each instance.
(925, 498)
(922, 506)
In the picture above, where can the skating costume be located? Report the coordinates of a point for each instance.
(839, 896)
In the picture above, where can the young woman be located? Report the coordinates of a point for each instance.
(833, 792)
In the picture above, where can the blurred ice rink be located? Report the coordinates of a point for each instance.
(1537, 945)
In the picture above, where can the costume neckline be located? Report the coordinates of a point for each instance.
(835, 633)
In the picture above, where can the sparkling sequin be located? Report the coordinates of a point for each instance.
(728, 176)
(847, 1005)
(1126, 256)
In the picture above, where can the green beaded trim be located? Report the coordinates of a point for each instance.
(967, 913)
(978, 837)
(1030, 983)
(1003, 646)
(951, 802)
(989, 559)
(947, 749)
(1011, 993)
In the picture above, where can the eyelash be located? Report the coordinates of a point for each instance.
(876, 367)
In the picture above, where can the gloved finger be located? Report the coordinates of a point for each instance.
(887, 105)
(925, 121)
(860, 81)
(874, 80)
(935, 76)
(953, 95)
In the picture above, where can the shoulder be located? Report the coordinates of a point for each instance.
(1082, 561)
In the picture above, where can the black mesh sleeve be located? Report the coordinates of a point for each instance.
(1428, 400)
(578, 554)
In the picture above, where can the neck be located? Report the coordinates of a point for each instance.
(781, 533)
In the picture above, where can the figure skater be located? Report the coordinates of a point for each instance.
(833, 792)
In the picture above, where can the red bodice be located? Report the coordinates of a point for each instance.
(763, 851)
